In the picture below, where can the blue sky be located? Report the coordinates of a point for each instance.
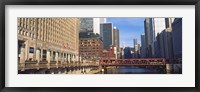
(129, 28)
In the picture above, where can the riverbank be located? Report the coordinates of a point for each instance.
(93, 71)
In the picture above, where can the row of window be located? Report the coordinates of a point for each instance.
(44, 52)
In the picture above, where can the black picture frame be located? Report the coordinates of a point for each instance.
(3, 3)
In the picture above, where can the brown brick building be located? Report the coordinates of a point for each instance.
(90, 47)
(110, 53)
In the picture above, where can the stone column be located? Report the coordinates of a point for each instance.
(51, 56)
(48, 56)
(22, 57)
(34, 55)
(56, 58)
(41, 54)
(73, 58)
(69, 58)
(38, 55)
(26, 50)
(22, 54)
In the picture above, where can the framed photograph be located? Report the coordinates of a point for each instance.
(107, 45)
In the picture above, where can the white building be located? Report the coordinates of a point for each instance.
(103, 20)
(159, 25)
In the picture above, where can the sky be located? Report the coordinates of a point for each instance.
(129, 28)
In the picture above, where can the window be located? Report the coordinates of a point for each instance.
(31, 50)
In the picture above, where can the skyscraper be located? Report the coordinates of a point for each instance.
(90, 25)
(106, 32)
(168, 22)
(147, 36)
(135, 48)
(116, 37)
(159, 25)
(116, 40)
(177, 37)
(143, 51)
(135, 42)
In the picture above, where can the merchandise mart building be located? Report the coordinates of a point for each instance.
(48, 39)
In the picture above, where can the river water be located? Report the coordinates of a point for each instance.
(131, 70)
(168, 69)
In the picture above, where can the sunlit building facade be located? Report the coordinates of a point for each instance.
(48, 39)
(91, 46)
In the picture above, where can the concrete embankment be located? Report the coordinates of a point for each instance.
(85, 71)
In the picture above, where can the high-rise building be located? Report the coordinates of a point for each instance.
(168, 45)
(135, 51)
(147, 27)
(177, 37)
(48, 39)
(168, 22)
(116, 40)
(106, 32)
(90, 25)
(139, 51)
(164, 44)
(155, 27)
(122, 50)
(143, 46)
(159, 25)
(135, 42)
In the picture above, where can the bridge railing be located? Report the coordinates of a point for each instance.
(145, 61)
(52, 64)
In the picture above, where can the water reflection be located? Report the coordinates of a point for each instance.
(168, 69)
(130, 70)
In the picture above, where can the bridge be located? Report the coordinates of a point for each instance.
(139, 62)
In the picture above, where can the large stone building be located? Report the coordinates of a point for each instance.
(48, 39)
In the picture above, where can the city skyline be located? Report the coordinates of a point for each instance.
(92, 45)
(130, 28)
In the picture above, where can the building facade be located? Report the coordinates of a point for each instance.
(147, 27)
(177, 37)
(127, 53)
(48, 39)
(91, 47)
(90, 25)
(106, 34)
(110, 54)
(143, 51)
(116, 40)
